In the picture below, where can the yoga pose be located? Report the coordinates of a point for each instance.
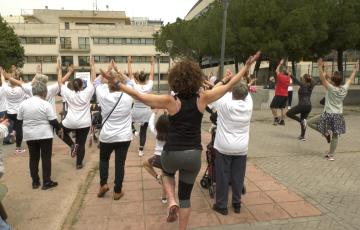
(182, 151)
(331, 122)
(141, 112)
(304, 106)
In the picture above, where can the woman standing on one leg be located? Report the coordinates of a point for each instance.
(38, 121)
(182, 151)
(304, 106)
(78, 118)
(331, 121)
(160, 130)
(141, 113)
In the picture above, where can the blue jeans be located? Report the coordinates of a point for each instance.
(3, 225)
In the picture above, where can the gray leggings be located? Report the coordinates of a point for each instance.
(313, 123)
(188, 163)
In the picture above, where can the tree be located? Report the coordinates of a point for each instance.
(11, 52)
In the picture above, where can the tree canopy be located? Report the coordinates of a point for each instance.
(11, 52)
(302, 29)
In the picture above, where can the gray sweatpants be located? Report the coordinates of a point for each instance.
(229, 168)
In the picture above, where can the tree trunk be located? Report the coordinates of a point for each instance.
(236, 63)
(340, 61)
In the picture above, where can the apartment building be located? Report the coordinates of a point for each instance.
(75, 35)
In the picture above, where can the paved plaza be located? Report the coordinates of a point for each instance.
(289, 186)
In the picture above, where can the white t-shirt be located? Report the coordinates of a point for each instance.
(233, 125)
(147, 88)
(2, 99)
(334, 98)
(159, 145)
(52, 91)
(36, 114)
(14, 97)
(78, 115)
(117, 128)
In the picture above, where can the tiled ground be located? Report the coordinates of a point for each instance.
(141, 208)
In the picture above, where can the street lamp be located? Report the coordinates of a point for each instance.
(158, 69)
(223, 38)
(169, 45)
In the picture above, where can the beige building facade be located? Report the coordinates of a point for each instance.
(76, 35)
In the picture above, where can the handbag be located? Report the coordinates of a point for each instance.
(112, 110)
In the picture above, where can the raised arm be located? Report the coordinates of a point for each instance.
(131, 76)
(59, 73)
(152, 63)
(353, 74)
(295, 80)
(13, 80)
(210, 96)
(68, 74)
(322, 74)
(278, 67)
(114, 66)
(93, 70)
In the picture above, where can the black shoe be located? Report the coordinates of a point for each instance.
(276, 121)
(48, 185)
(35, 185)
(223, 211)
(282, 122)
(80, 166)
(236, 208)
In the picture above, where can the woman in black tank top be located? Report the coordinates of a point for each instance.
(183, 146)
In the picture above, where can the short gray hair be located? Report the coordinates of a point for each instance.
(240, 91)
(39, 89)
(41, 78)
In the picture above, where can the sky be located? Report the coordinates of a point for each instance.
(166, 10)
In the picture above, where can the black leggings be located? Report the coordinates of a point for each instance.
(143, 131)
(80, 139)
(39, 148)
(17, 127)
(304, 111)
(290, 96)
(121, 149)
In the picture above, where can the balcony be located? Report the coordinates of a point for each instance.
(70, 48)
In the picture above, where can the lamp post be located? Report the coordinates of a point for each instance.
(169, 45)
(223, 37)
(158, 69)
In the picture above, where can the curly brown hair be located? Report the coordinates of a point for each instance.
(185, 78)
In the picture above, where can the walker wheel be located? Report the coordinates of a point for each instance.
(204, 182)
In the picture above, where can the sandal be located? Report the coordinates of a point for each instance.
(172, 216)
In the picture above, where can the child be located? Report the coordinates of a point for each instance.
(159, 129)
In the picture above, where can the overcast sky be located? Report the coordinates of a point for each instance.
(167, 10)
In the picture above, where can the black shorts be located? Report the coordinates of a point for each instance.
(279, 102)
(155, 161)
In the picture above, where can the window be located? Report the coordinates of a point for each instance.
(38, 40)
(164, 59)
(84, 60)
(40, 59)
(120, 59)
(67, 60)
(123, 41)
(22, 40)
(135, 41)
(149, 41)
(84, 43)
(67, 25)
(104, 41)
(65, 43)
(33, 40)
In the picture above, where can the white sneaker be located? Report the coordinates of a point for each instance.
(19, 150)
(136, 134)
(289, 107)
(163, 200)
(141, 153)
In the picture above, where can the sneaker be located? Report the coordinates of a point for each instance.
(331, 157)
(159, 179)
(223, 211)
(74, 149)
(48, 185)
(136, 134)
(173, 214)
(141, 153)
(163, 200)
(103, 190)
(19, 150)
(118, 195)
(35, 185)
(236, 207)
(276, 121)
(80, 166)
(302, 138)
(282, 122)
